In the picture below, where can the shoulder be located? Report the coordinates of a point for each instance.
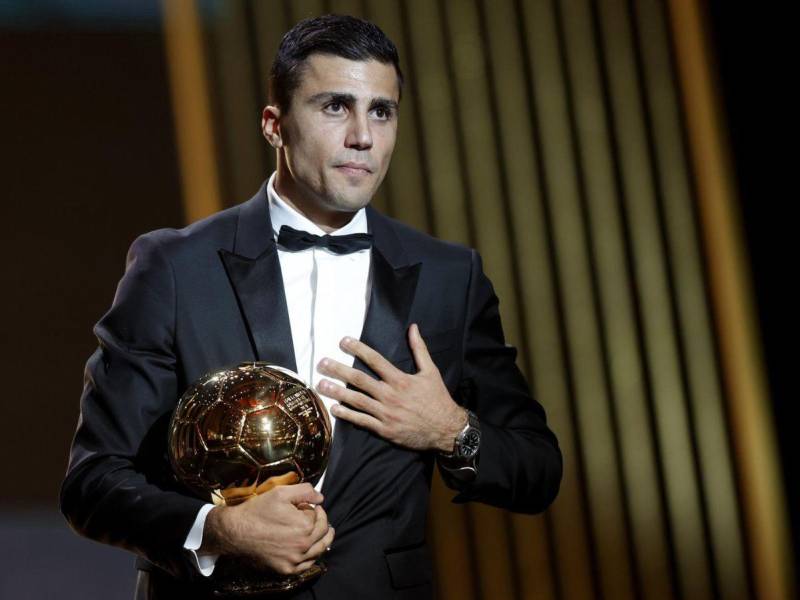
(423, 247)
(208, 234)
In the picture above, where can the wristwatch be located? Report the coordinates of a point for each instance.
(462, 461)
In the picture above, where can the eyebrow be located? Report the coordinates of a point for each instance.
(350, 99)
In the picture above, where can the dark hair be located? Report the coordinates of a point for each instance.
(336, 35)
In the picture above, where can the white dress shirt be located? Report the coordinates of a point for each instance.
(327, 295)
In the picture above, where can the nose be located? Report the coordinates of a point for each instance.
(359, 134)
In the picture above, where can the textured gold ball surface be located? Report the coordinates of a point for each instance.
(237, 432)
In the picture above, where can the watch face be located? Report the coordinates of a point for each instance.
(470, 443)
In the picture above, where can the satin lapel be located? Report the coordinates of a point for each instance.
(259, 289)
(394, 284)
(255, 274)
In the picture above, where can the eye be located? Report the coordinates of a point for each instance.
(334, 107)
(383, 113)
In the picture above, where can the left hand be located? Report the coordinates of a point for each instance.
(411, 410)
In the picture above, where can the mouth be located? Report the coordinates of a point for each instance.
(352, 168)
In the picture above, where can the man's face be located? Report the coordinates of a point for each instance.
(338, 136)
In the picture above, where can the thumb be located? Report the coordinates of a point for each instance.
(302, 493)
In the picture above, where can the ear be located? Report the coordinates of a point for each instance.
(271, 125)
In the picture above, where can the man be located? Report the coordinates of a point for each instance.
(399, 332)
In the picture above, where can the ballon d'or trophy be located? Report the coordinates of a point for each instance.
(239, 432)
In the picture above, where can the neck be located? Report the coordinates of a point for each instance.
(307, 205)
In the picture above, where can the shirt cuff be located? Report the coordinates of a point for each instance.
(205, 563)
(462, 471)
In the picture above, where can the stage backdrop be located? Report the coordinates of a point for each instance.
(577, 146)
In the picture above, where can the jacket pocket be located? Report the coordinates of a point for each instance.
(411, 567)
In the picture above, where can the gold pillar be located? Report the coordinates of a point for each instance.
(191, 107)
(752, 429)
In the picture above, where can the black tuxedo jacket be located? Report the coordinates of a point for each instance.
(211, 295)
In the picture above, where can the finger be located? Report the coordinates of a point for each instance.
(321, 527)
(303, 522)
(419, 349)
(320, 546)
(357, 418)
(371, 357)
(303, 566)
(309, 513)
(359, 379)
(352, 398)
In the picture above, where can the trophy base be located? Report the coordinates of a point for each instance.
(246, 583)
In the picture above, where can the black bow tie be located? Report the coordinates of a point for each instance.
(294, 240)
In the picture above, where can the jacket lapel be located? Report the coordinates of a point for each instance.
(394, 283)
(255, 274)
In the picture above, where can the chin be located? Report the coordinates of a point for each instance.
(350, 203)
(353, 206)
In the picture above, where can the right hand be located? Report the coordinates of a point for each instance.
(277, 529)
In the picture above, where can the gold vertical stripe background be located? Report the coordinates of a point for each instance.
(661, 354)
(694, 327)
(549, 135)
(191, 107)
(639, 465)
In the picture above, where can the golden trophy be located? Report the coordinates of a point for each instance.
(237, 433)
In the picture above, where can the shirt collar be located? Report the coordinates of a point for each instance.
(282, 214)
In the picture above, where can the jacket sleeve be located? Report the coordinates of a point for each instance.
(519, 462)
(118, 488)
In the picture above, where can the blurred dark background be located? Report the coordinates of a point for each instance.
(755, 51)
(89, 162)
